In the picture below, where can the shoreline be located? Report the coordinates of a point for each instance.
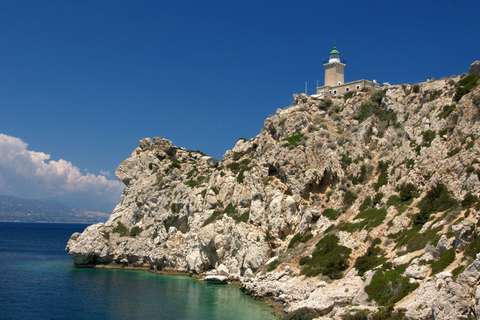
(269, 301)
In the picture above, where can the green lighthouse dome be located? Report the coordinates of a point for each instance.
(335, 51)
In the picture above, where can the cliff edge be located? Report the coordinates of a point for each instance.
(338, 207)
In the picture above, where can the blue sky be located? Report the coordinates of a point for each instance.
(83, 81)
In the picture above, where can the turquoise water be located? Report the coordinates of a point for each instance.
(38, 281)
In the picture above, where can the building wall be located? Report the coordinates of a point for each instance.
(334, 73)
(350, 86)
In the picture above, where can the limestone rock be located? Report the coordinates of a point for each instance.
(475, 67)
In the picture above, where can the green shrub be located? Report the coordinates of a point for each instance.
(367, 203)
(465, 86)
(348, 95)
(241, 174)
(213, 217)
(371, 218)
(457, 271)
(175, 164)
(416, 88)
(330, 213)
(238, 155)
(394, 200)
(387, 313)
(389, 286)
(120, 228)
(191, 172)
(272, 266)
(473, 248)
(437, 199)
(371, 259)
(362, 177)
(325, 104)
(135, 231)
(407, 191)
(413, 240)
(301, 314)
(446, 258)
(192, 183)
(329, 259)
(293, 140)
(446, 111)
(358, 315)
(244, 217)
(428, 137)
(453, 152)
(345, 161)
(377, 199)
(410, 163)
(383, 177)
(300, 238)
(476, 100)
(349, 198)
(434, 95)
(469, 200)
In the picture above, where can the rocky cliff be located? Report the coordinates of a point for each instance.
(338, 207)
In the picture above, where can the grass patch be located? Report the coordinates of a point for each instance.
(329, 259)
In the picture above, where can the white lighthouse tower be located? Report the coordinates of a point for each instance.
(334, 73)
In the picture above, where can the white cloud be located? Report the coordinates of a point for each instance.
(105, 173)
(31, 174)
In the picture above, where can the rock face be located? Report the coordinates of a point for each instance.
(390, 177)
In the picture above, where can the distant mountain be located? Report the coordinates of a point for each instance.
(15, 209)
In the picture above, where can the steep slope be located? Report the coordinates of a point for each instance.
(370, 199)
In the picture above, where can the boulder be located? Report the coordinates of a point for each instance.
(216, 279)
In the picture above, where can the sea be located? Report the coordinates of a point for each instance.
(38, 280)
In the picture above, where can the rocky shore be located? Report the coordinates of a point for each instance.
(341, 206)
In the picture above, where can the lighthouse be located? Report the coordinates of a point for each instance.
(335, 78)
(334, 69)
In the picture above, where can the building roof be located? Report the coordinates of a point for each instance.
(334, 51)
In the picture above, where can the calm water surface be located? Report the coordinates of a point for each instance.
(38, 281)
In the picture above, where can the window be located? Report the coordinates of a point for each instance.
(347, 89)
(334, 91)
(358, 87)
(330, 91)
(321, 92)
(339, 83)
